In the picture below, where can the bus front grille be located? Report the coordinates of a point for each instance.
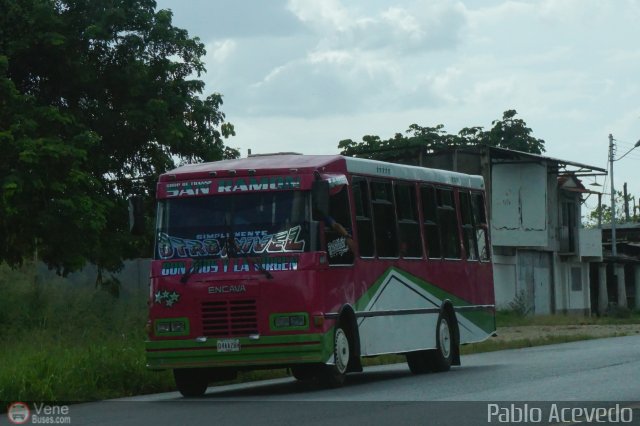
(229, 318)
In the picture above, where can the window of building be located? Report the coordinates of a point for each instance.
(576, 279)
(568, 228)
(408, 224)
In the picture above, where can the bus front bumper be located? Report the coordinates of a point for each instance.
(238, 352)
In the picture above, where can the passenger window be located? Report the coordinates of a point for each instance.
(468, 229)
(449, 223)
(384, 219)
(337, 245)
(480, 225)
(430, 222)
(364, 223)
(408, 225)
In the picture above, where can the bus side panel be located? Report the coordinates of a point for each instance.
(384, 293)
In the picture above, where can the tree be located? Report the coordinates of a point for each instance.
(512, 133)
(509, 133)
(97, 98)
(591, 220)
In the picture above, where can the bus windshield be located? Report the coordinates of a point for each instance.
(234, 225)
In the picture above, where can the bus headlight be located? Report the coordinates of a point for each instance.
(292, 321)
(163, 327)
(282, 322)
(172, 327)
(178, 326)
(298, 320)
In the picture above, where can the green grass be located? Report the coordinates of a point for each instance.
(509, 319)
(69, 342)
(41, 368)
(491, 346)
(65, 342)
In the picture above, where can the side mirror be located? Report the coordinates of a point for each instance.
(136, 215)
(320, 199)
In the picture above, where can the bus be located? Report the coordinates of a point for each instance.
(312, 263)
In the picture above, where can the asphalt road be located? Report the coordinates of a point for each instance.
(589, 375)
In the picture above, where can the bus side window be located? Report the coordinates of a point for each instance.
(363, 216)
(448, 220)
(384, 219)
(337, 246)
(468, 230)
(480, 225)
(430, 222)
(408, 225)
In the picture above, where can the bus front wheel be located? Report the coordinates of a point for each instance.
(435, 360)
(190, 382)
(334, 375)
(304, 373)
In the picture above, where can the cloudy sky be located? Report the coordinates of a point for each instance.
(300, 75)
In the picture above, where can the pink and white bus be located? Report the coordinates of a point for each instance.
(311, 263)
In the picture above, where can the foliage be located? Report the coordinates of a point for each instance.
(509, 133)
(71, 342)
(97, 98)
(591, 220)
(508, 318)
(520, 305)
(617, 311)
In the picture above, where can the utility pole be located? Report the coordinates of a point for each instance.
(626, 202)
(614, 250)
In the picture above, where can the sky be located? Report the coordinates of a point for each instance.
(301, 75)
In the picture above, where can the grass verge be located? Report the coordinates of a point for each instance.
(511, 319)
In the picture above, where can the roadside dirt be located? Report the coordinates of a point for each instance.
(541, 331)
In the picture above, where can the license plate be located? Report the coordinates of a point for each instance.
(228, 345)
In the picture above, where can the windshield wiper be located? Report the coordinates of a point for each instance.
(185, 277)
(233, 250)
(259, 267)
(195, 265)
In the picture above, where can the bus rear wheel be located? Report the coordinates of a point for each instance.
(442, 356)
(190, 382)
(419, 361)
(435, 360)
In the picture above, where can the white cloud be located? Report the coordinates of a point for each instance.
(361, 60)
(220, 51)
(322, 15)
(302, 75)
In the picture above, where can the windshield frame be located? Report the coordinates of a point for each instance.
(283, 225)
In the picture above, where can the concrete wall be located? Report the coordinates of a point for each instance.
(505, 280)
(590, 241)
(133, 277)
(573, 288)
(519, 205)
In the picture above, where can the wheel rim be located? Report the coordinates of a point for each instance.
(341, 351)
(444, 338)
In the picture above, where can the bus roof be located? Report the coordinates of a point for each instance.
(332, 164)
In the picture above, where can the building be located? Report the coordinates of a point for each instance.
(616, 282)
(541, 253)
